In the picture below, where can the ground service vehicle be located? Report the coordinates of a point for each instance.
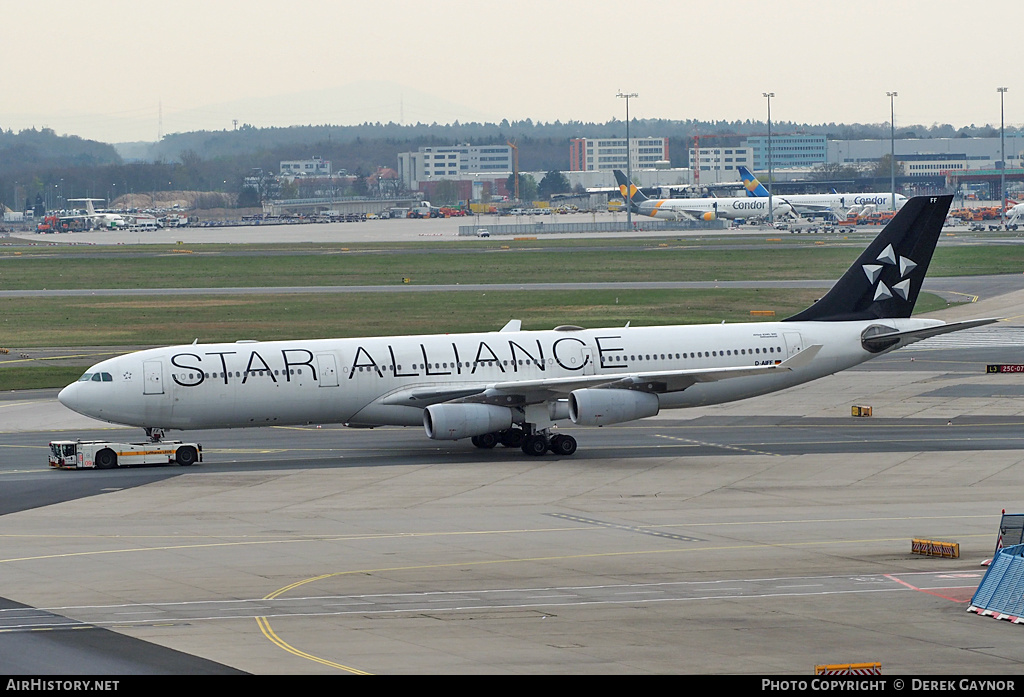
(101, 454)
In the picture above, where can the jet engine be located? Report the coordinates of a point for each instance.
(599, 407)
(454, 421)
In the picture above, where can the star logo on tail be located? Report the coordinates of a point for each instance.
(888, 257)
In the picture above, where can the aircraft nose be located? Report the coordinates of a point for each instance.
(71, 397)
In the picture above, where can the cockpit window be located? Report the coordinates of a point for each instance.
(96, 377)
(85, 378)
(107, 377)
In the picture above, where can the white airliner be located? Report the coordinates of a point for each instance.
(512, 387)
(1015, 214)
(805, 204)
(104, 219)
(697, 208)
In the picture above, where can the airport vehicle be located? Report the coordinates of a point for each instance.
(513, 386)
(483, 232)
(101, 454)
(836, 203)
(708, 209)
(144, 223)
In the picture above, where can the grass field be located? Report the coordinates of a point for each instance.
(143, 321)
(538, 262)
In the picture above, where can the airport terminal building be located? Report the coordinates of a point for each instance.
(957, 153)
(606, 154)
(435, 162)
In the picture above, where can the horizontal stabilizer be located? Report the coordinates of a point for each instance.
(879, 342)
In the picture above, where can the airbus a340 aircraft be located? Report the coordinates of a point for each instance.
(805, 204)
(697, 208)
(512, 387)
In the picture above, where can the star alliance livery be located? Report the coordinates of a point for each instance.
(511, 386)
(697, 208)
(804, 204)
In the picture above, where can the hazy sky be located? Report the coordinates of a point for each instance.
(108, 69)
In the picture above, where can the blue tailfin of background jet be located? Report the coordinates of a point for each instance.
(751, 184)
(631, 195)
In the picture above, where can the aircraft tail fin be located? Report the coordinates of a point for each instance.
(630, 194)
(750, 183)
(887, 277)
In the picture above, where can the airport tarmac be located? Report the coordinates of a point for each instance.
(405, 230)
(762, 537)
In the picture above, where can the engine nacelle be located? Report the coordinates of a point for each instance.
(454, 421)
(600, 407)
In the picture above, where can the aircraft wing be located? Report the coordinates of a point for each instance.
(801, 207)
(812, 207)
(519, 392)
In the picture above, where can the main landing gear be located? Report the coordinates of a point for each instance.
(535, 444)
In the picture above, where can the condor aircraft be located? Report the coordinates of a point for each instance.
(805, 204)
(512, 386)
(696, 208)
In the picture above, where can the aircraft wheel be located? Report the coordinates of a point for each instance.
(105, 459)
(186, 456)
(512, 438)
(535, 445)
(563, 445)
(485, 440)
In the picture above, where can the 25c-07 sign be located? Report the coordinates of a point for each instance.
(1005, 368)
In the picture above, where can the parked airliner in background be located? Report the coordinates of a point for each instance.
(840, 204)
(697, 208)
(1015, 214)
(98, 219)
(512, 386)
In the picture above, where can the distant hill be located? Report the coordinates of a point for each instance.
(542, 146)
(31, 150)
(39, 163)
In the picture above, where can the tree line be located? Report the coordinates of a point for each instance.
(58, 167)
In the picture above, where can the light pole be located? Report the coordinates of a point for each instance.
(629, 167)
(771, 205)
(892, 145)
(1002, 160)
